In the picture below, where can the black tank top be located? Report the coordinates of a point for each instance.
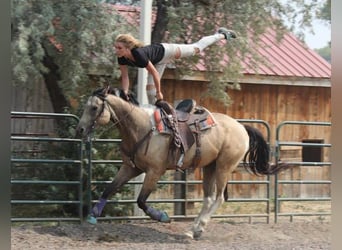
(142, 55)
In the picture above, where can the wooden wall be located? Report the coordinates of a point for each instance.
(32, 98)
(273, 104)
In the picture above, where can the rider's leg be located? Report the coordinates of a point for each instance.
(176, 51)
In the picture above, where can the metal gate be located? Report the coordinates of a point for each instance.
(317, 160)
(20, 162)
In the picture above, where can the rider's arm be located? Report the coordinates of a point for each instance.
(156, 78)
(124, 78)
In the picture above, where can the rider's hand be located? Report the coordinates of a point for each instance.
(124, 95)
(159, 96)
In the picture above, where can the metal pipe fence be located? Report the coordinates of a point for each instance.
(86, 161)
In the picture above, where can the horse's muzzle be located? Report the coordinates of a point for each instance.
(79, 132)
(82, 132)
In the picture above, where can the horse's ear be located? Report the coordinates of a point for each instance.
(106, 90)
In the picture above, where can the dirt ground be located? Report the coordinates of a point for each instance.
(306, 235)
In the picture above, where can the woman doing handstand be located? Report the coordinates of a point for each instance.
(154, 57)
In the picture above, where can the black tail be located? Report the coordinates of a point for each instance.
(257, 157)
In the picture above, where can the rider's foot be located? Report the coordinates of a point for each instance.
(228, 34)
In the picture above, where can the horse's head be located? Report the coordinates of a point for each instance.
(96, 111)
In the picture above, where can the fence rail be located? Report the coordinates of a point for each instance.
(86, 162)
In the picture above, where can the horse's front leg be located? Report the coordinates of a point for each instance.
(124, 174)
(149, 185)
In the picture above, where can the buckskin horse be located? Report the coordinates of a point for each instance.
(224, 143)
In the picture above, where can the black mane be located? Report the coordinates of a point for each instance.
(101, 92)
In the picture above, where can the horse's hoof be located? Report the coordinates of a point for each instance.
(197, 234)
(91, 219)
(165, 218)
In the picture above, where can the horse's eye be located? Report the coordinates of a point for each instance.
(94, 108)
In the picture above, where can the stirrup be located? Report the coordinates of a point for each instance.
(180, 163)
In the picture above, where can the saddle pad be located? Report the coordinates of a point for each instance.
(160, 124)
(204, 124)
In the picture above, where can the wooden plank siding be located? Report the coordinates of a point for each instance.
(32, 98)
(273, 103)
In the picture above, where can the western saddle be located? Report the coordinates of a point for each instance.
(186, 122)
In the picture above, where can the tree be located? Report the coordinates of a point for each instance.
(325, 52)
(324, 13)
(57, 41)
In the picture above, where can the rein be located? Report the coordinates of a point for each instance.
(148, 136)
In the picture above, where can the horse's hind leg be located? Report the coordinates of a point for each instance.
(220, 177)
(124, 174)
(209, 196)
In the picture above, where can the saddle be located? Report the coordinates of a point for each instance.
(185, 124)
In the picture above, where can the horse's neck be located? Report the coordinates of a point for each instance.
(133, 122)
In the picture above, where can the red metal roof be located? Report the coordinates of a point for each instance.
(289, 57)
(131, 13)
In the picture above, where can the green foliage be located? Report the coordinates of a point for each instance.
(82, 33)
(325, 52)
(324, 12)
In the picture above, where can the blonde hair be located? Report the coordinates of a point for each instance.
(129, 41)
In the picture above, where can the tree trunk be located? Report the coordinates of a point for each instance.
(51, 78)
(161, 23)
(57, 97)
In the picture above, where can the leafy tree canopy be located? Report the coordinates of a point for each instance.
(324, 12)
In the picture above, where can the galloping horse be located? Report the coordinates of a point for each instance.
(145, 150)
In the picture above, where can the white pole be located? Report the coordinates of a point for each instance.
(145, 37)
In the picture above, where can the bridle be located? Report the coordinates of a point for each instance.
(113, 117)
(115, 120)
